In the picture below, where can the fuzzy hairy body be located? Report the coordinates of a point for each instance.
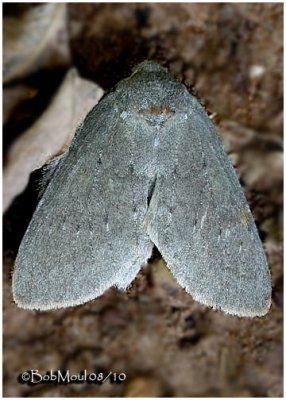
(146, 167)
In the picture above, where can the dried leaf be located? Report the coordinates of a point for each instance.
(35, 38)
(50, 134)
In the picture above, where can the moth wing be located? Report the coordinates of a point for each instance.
(201, 223)
(86, 234)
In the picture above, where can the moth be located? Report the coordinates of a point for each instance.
(145, 168)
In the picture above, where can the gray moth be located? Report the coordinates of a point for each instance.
(145, 168)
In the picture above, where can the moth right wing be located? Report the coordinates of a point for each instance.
(201, 223)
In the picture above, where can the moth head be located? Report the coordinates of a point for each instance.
(149, 66)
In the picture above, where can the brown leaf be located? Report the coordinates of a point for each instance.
(33, 39)
(50, 135)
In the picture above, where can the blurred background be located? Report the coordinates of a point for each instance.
(58, 60)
